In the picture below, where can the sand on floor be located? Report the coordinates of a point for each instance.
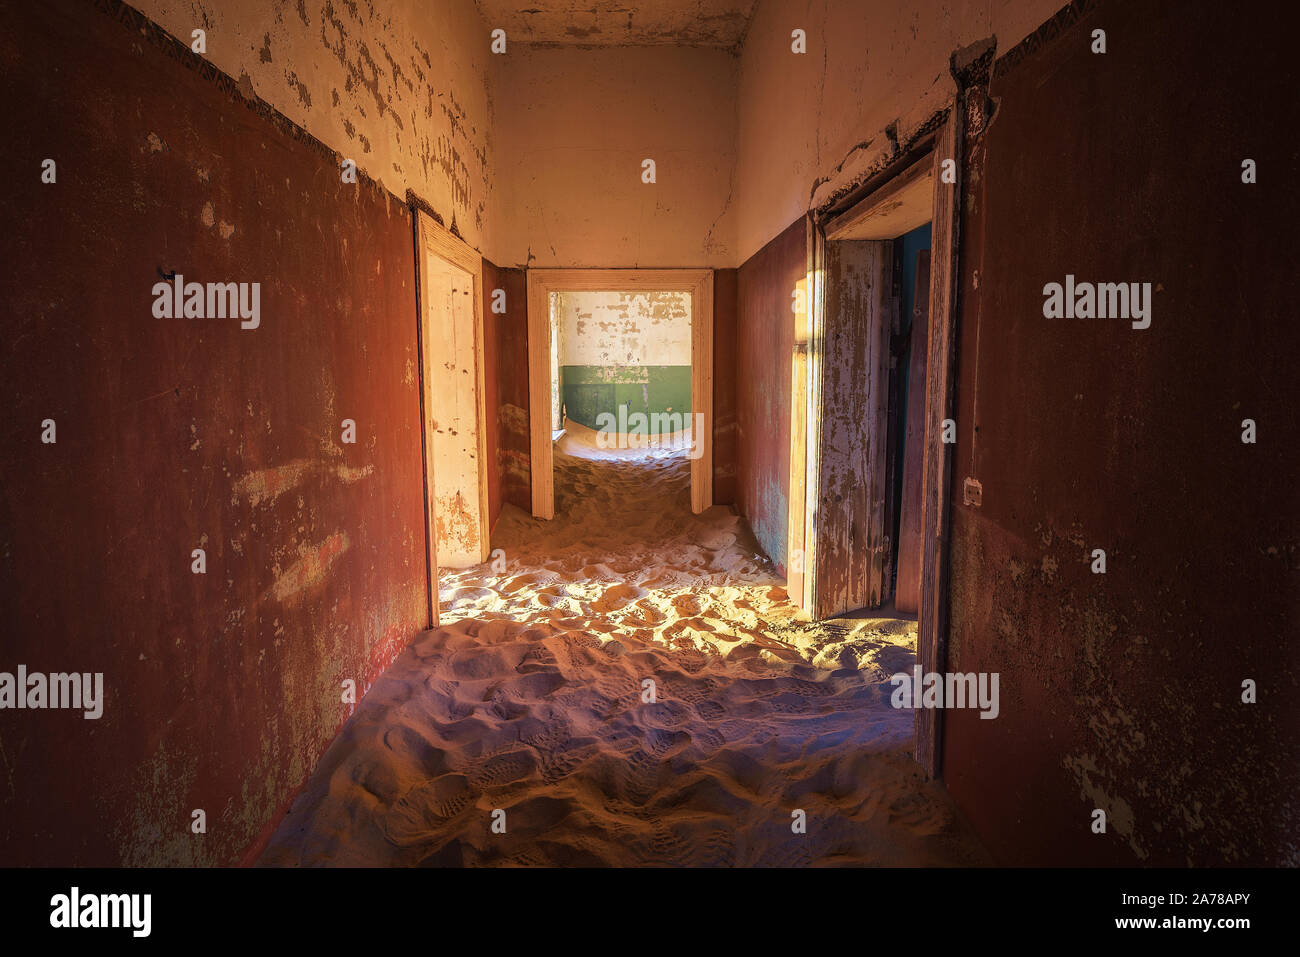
(628, 684)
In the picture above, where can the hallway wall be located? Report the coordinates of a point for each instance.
(505, 359)
(573, 127)
(624, 353)
(400, 87)
(764, 352)
(725, 347)
(221, 689)
(812, 125)
(1122, 691)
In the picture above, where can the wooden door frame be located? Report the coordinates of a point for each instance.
(435, 239)
(543, 282)
(805, 420)
(941, 367)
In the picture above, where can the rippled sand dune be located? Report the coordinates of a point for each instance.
(532, 699)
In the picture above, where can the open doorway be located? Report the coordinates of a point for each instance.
(873, 463)
(617, 356)
(907, 417)
(455, 438)
(622, 371)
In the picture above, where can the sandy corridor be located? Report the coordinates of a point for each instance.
(531, 699)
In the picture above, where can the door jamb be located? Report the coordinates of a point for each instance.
(941, 365)
(435, 239)
(940, 403)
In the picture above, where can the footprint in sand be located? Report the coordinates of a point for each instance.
(378, 778)
(503, 769)
(664, 715)
(408, 743)
(710, 710)
(538, 658)
(421, 814)
(481, 663)
(615, 597)
(649, 613)
(662, 743)
(687, 606)
(614, 648)
(519, 581)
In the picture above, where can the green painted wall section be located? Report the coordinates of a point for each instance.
(590, 390)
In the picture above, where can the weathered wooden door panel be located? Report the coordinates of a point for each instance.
(854, 370)
(454, 408)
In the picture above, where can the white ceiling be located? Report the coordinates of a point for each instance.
(708, 23)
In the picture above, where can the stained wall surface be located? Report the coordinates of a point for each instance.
(623, 353)
(221, 689)
(1123, 691)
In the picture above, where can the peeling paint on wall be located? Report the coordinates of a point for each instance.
(311, 569)
(624, 328)
(400, 88)
(715, 23)
(812, 123)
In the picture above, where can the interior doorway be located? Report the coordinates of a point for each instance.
(872, 468)
(621, 381)
(907, 418)
(623, 370)
(455, 438)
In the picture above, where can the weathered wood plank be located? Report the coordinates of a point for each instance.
(539, 397)
(852, 419)
(937, 458)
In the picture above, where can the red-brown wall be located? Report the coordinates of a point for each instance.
(492, 332)
(724, 386)
(221, 689)
(506, 359)
(1122, 691)
(764, 351)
